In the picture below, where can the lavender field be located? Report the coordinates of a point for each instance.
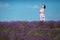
(35, 30)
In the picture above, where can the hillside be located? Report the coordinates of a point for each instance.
(35, 30)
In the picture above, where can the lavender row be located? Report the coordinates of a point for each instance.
(49, 30)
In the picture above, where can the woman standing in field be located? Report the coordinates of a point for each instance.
(42, 16)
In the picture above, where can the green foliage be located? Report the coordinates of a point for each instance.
(33, 33)
(25, 31)
(19, 38)
(41, 33)
(57, 28)
(50, 35)
(57, 37)
(4, 37)
(1, 29)
(8, 29)
(17, 30)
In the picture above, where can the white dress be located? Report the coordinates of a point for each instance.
(42, 16)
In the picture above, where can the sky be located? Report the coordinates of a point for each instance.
(28, 10)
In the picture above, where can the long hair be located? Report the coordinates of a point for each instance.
(44, 6)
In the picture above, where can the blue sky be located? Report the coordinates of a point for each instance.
(28, 10)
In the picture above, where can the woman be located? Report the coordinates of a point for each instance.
(42, 16)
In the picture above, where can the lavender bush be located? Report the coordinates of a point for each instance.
(36, 30)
